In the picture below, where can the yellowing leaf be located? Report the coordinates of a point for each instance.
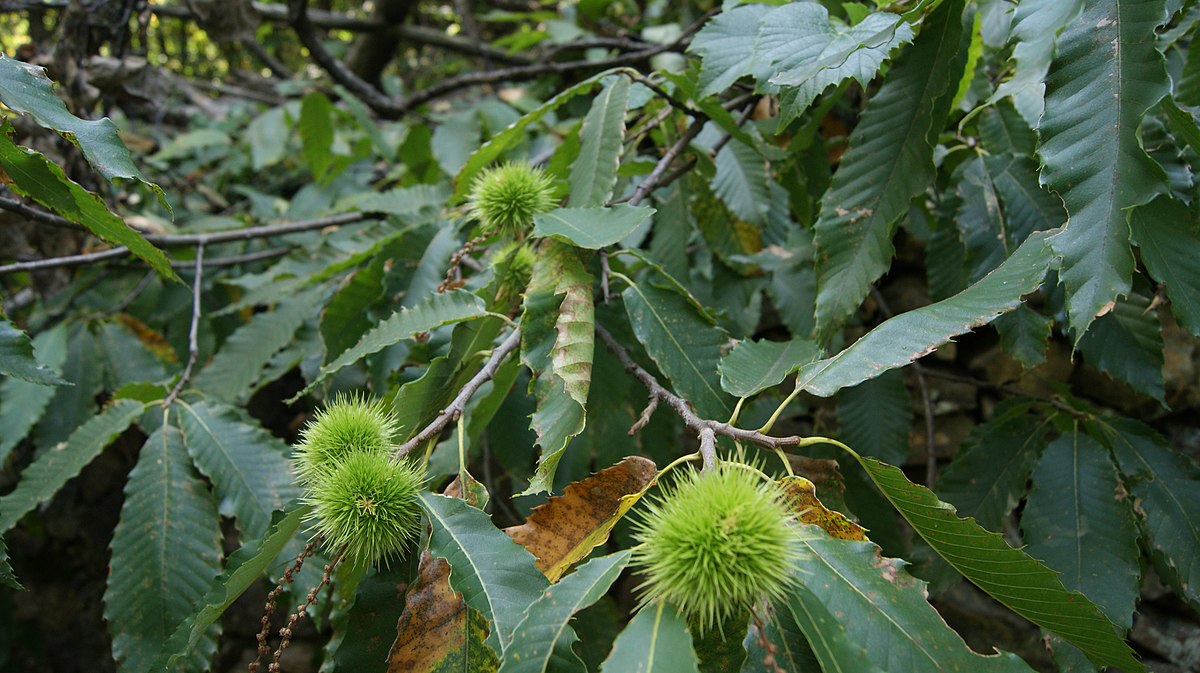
(569, 526)
(802, 496)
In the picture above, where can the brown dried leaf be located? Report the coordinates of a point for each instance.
(437, 632)
(802, 497)
(569, 526)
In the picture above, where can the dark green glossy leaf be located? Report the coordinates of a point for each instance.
(830, 643)
(244, 567)
(21, 402)
(726, 47)
(1165, 232)
(1166, 486)
(239, 363)
(683, 345)
(889, 161)
(908, 336)
(165, 550)
(1104, 78)
(594, 172)
(42, 479)
(656, 640)
(17, 358)
(437, 310)
(592, 228)
(1078, 521)
(901, 630)
(1127, 344)
(874, 417)
(25, 88)
(33, 175)
(1009, 575)
(495, 575)
(542, 640)
(247, 465)
(987, 478)
(7, 577)
(754, 366)
(1024, 334)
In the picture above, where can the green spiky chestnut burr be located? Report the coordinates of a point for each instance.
(505, 198)
(716, 542)
(367, 504)
(348, 425)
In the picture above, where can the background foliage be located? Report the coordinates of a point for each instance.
(932, 263)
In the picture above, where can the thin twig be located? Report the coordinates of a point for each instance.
(604, 275)
(652, 181)
(193, 331)
(29, 212)
(644, 419)
(681, 406)
(459, 405)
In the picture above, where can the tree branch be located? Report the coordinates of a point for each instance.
(681, 407)
(459, 405)
(188, 240)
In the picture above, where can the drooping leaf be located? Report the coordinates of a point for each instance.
(1104, 78)
(569, 526)
(31, 174)
(543, 638)
(558, 345)
(437, 632)
(684, 346)
(165, 551)
(1127, 344)
(889, 161)
(239, 362)
(248, 467)
(1009, 575)
(1166, 234)
(754, 366)
(244, 567)
(592, 228)
(594, 172)
(656, 640)
(46, 475)
(1078, 521)
(828, 639)
(808, 52)
(25, 88)
(987, 478)
(741, 181)
(908, 336)
(726, 47)
(1024, 334)
(495, 575)
(874, 417)
(801, 495)
(17, 358)
(1166, 486)
(510, 135)
(902, 631)
(439, 309)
